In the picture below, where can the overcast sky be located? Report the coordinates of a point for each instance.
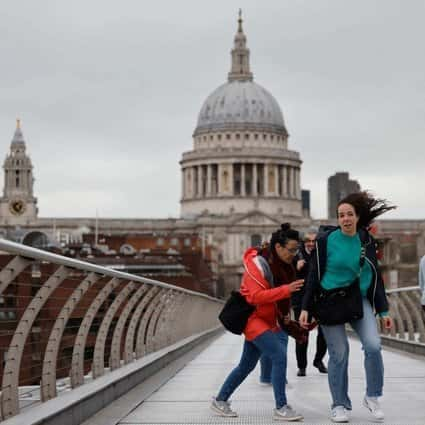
(109, 93)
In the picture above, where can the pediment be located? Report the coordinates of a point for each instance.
(256, 218)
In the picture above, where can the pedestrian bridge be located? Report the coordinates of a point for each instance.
(86, 344)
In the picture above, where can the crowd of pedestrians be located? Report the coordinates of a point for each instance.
(289, 277)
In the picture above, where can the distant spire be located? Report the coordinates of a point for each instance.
(18, 138)
(240, 56)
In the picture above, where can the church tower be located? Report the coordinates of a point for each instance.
(18, 206)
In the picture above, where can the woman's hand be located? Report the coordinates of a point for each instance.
(303, 319)
(300, 264)
(387, 322)
(296, 285)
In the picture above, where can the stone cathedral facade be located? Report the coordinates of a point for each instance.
(240, 160)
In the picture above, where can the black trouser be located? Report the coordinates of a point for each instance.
(301, 349)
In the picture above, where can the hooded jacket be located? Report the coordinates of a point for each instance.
(258, 291)
(317, 267)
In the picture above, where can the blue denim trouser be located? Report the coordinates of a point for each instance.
(338, 349)
(266, 363)
(270, 344)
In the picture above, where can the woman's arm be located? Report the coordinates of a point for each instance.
(255, 294)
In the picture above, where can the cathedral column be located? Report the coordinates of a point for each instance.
(192, 181)
(200, 191)
(284, 181)
(276, 180)
(254, 180)
(265, 179)
(243, 192)
(297, 184)
(183, 177)
(209, 179)
(289, 180)
(293, 194)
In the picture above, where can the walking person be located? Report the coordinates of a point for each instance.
(421, 279)
(303, 260)
(283, 272)
(335, 264)
(263, 336)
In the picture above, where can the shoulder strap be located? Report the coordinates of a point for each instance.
(362, 257)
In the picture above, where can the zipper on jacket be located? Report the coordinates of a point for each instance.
(375, 283)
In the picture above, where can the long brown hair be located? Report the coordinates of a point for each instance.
(367, 207)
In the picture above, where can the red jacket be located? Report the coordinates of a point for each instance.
(257, 291)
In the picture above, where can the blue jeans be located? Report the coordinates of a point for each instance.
(338, 349)
(273, 346)
(266, 363)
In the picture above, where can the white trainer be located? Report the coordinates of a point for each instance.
(222, 408)
(339, 414)
(372, 404)
(287, 413)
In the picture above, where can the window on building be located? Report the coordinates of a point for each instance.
(174, 241)
(186, 242)
(256, 240)
(160, 241)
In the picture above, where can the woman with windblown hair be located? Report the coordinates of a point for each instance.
(336, 263)
(263, 335)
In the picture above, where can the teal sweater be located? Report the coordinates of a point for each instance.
(343, 263)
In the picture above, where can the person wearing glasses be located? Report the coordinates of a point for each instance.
(303, 261)
(283, 271)
(268, 282)
(335, 264)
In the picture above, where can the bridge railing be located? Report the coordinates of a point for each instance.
(64, 322)
(408, 331)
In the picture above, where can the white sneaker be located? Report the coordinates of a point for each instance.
(222, 408)
(287, 413)
(372, 404)
(339, 414)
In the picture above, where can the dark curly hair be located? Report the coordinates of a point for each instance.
(367, 207)
(282, 236)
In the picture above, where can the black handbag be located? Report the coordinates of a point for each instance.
(235, 313)
(340, 305)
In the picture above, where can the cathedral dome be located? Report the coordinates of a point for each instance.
(240, 104)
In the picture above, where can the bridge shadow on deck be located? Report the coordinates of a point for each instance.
(185, 397)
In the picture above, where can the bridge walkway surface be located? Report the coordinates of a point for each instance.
(184, 396)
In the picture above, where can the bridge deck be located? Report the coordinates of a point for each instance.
(186, 396)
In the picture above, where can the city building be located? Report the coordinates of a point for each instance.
(339, 186)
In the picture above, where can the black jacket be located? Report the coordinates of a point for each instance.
(376, 292)
(297, 297)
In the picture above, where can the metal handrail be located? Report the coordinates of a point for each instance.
(153, 315)
(30, 252)
(409, 318)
